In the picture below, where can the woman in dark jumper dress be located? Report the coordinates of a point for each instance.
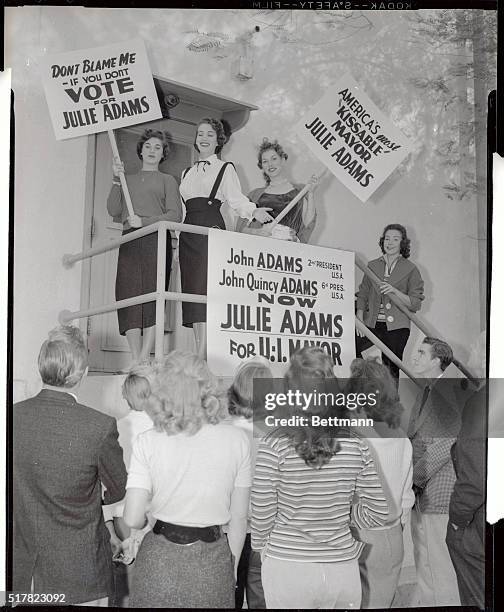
(279, 192)
(155, 197)
(204, 187)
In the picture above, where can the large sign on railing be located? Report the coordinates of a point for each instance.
(270, 297)
(99, 89)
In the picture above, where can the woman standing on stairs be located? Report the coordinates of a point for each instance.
(399, 277)
(155, 198)
(203, 188)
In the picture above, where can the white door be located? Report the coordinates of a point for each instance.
(108, 349)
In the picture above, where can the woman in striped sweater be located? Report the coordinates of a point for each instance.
(305, 483)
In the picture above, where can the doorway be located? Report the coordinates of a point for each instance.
(183, 106)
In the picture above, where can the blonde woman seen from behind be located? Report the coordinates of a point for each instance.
(196, 469)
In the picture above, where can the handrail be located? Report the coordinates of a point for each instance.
(65, 316)
(385, 349)
(160, 295)
(69, 259)
(422, 325)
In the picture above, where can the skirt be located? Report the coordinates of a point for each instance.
(168, 575)
(136, 275)
(193, 256)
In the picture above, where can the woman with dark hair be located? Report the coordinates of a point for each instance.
(203, 188)
(155, 197)
(305, 482)
(241, 409)
(279, 191)
(380, 564)
(399, 277)
(195, 469)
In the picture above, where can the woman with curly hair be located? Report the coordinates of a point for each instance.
(399, 277)
(196, 470)
(155, 197)
(305, 482)
(380, 564)
(203, 188)
(279, 191)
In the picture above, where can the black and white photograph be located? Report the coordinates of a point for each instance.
(250, 316)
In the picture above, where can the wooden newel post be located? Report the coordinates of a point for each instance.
(122, 177)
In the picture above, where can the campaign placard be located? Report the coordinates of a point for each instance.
(353, 138)
(269, 297)
(99, 89)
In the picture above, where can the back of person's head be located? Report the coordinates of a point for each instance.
(184, 395)
(309, 370)
(136, 387)
(308, 363)
(440, 350)
(63, 357)
(375, 381)
(241, 391)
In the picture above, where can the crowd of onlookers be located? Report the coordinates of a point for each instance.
(207, 512)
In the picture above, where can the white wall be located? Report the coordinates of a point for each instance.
(292, 68)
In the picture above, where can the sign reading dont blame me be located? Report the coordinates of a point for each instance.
(99, 89)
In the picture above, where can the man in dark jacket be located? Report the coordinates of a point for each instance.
(465, 534)
(433, 428)
(63, 454)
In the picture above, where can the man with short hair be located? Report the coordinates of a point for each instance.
(434, 425)
(63, 452)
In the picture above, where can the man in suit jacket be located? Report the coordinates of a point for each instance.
(465, 534)
(63, 452)
(434, 425)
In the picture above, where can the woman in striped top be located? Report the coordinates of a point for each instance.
(305, 483)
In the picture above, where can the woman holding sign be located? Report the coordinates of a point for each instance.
(279, 191)
(203, 188)
(400, 278)
(155, 198)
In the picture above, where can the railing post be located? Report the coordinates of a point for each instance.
(420, 323)
(160, 288)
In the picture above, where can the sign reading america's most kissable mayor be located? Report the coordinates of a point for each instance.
(353, 137)
(99, 89)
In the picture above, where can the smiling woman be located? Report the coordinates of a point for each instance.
(203, 188)
(155, 197)
(374, 307)
(279, 191)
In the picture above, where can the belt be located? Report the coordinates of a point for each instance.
(180, 534)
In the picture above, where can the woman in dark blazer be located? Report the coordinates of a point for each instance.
(399, 277)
